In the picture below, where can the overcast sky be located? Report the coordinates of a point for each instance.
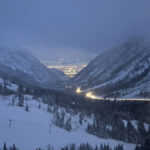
(50, 28)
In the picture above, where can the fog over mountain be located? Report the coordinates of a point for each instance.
(70, 28)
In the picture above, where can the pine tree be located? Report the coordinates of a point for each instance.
(63, 116)
(145, 146)
(80, 119)
(48, 108)
(72, 147)
(20, 89)
(89, 128)
(58, 120)
(14, 147)
(137, 147)
(149, 129)
(68, 124)
(49, 147)
(4, 86)
(129, 131)
(96, 148)
(39, 106)
(101, 147)
(13, 100)
(21, 100)
(119, 147)
(141, 127)
(27, 108)
(141, 131)
(4, 147)
(38, 148)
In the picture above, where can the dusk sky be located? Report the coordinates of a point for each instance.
(70, 28)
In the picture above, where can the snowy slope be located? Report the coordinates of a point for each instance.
(124, 67)
(21, 66)
(8, 84)
(30, 130)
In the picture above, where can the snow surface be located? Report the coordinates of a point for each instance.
(30, 130)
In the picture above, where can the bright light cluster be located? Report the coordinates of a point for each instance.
(70, 70)
(91, 95)
(78, 90)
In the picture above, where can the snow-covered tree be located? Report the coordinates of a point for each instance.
(21, 100)
(27, 108)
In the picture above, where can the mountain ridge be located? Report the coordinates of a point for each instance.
(122, 68)
(20, 65)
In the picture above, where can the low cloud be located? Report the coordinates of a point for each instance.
(68, 28)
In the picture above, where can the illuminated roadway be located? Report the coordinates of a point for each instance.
(94, 97)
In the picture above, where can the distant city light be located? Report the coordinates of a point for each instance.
(70, 70)
(78, 90)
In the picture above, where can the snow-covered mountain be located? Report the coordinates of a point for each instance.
(21, 67)
(35, 127)
(122, 71)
